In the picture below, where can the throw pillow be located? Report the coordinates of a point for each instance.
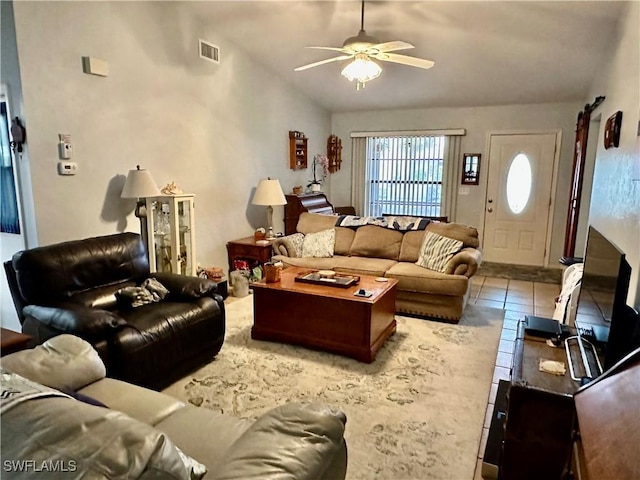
(295, 240)
(436, 251)
(320, 244)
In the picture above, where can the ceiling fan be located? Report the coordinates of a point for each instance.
(363, 49)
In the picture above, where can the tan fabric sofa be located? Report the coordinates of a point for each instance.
(383, 252)
(143, 434)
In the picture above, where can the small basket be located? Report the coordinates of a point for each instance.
(272, 272)
(214, 273)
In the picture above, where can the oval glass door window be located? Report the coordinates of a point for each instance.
(519, 183)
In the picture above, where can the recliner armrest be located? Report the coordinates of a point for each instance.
(65, 362)
(182, 287)
(92, 324)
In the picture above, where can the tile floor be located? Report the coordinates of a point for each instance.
(517, 298)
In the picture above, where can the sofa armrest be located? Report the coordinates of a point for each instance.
(92, 324)
(283, 246)
(302, 439)
(186, 288)
(465, 262)
(65, 362)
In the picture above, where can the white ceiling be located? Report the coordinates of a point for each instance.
(485, 52)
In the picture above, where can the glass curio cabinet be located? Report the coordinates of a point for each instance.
(171, 234)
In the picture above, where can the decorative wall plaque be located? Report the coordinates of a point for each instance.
(612, 130)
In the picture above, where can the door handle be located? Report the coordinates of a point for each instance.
(490, 200)
(489, 209)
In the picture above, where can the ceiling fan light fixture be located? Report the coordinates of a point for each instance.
(362, 69)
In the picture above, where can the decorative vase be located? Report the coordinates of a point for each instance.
(316, 187)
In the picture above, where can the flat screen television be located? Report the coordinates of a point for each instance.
(602, 312)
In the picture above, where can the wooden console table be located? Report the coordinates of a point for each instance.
(533, 423)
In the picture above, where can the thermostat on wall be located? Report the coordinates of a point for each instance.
(67, 168)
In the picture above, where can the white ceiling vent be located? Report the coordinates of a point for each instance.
(209, 51)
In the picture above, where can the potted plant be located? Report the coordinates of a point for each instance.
(318, 161)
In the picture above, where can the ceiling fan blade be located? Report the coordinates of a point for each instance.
(335, 49)
(322, 62)
(404, 60)
(392, 46)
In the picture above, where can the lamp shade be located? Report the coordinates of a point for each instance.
(269, 192)
(140, 184)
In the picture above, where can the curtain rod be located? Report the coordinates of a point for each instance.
(409, 133)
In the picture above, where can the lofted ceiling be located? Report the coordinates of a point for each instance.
(485, 52)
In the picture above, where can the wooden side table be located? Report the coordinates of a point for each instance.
(11, 342)
(248, 249)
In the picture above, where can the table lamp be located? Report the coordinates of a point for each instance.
(269, 193)
(139, 185)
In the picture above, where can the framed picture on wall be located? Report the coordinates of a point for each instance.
(471, 168)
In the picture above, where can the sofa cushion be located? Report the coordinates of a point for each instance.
(315, 222)
(375, 267)
(413, 278)
(411, 244)
(376, 242)
(467, 235)
(300, 438)
(100, 297)
(344, 239)
(320, 244)
(140, 403)
(204, 434)
(436, 251)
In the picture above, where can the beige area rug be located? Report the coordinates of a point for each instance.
(415, 413)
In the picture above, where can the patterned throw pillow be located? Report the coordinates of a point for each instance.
(320, 244)
(296, 240)
(436, 251)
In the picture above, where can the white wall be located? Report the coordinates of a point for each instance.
(615, 196)
(478, 122)
(213, 129)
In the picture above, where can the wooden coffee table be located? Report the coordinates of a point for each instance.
(325, 317)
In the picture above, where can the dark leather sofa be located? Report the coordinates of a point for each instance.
(71, 288)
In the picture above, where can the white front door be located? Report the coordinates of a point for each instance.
(519, 198)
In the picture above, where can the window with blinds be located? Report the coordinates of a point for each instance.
(404, 175)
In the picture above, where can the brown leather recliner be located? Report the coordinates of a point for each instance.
(71, 288)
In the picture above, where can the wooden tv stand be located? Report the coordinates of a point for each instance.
(533, 424)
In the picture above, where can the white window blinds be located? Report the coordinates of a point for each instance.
(402, 174)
